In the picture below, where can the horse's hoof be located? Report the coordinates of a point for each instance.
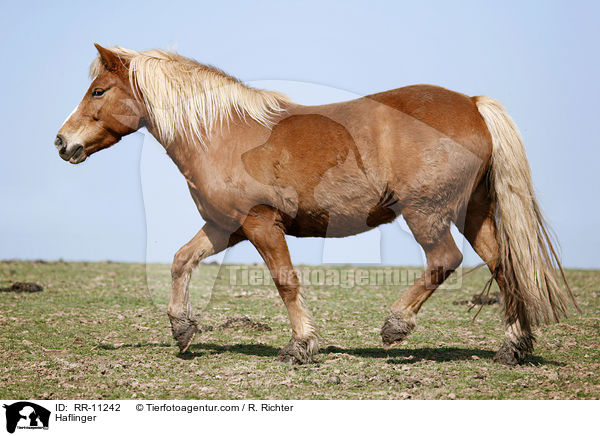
(184, 329)
(512, 354)
(300, 351)
(507, 356)
(396, 328)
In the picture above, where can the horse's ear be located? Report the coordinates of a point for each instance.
(110, 59)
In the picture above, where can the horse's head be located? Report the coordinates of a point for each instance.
(108, 111)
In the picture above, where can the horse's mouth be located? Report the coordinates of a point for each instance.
(77, 156)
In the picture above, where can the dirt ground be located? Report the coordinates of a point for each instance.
(99, 331)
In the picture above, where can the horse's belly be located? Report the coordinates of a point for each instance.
(344, 203)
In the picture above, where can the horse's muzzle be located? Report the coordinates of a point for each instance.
(73, 154)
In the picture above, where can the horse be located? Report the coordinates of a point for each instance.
(259, 167)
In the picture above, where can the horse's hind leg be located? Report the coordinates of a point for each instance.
(264, 229)
(443, 257)
(208, 241)
(480, 231)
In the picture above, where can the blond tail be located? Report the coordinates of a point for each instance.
(530, 264)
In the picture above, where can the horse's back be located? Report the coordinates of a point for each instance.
(453, 114)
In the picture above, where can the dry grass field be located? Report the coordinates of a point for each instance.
(99, 331)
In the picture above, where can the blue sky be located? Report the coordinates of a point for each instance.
(129, 203)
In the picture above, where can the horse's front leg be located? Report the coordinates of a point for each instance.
(263, 228)
(208, 241)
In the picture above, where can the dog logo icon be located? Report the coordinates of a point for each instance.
(26, 415)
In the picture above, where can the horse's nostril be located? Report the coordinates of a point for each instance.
(59, 142)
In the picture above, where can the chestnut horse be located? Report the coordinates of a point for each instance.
(259, 167)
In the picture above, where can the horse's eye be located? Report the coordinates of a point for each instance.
(98, 92)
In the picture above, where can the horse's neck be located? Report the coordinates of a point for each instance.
(221, 149)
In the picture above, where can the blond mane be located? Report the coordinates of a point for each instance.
(185, 97)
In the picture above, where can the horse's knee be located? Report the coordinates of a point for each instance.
(180, 263)
(186, 259)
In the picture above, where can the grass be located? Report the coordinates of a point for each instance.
(99, 331)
